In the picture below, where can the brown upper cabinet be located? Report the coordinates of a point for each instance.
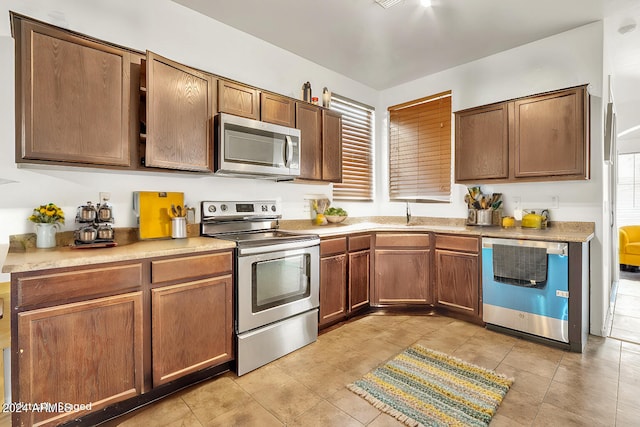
(277, 109)
(73, 98)
(482, 143)
(238, 99)
(179, 116)
(321, 142)
(537, 138)
(331, 146)
(85, 102)
(309, 121)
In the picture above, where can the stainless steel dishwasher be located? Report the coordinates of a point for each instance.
(525, 286)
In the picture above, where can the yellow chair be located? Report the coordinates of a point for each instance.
(629, 246)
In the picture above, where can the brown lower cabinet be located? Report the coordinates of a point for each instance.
(115, 332)
(88, 352)
(344, 277)
(180, 343)
(402, 269)
(457, 274)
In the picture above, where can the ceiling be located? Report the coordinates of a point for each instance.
(382, 48)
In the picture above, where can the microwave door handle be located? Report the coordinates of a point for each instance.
(288, 151)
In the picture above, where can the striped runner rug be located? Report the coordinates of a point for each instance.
(423, 387)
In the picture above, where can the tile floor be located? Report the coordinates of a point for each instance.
(599, 387)
(626, 314)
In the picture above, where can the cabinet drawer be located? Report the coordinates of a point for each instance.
(190, 267)
(457, 243)
(359, 243)
(72, 285)
(333, 246)
(392, 240)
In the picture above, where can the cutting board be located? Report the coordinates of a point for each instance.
(152, 209)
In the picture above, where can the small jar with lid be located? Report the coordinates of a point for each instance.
(105, 232)
(104, 212)
(87, 213)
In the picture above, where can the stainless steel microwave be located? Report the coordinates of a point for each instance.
(250, 148)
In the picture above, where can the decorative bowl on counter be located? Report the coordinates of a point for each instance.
(335, 219)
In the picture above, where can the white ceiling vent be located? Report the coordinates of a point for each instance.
(387, 3)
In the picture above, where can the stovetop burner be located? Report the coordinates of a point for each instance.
(246, 223)
(258, 235)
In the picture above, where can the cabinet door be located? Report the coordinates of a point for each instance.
(402, 276)
(238, 99)
(179, 116)
(358, 280)
(277, 109)
(86, 352)
(192, 327)
(457, 281)
(73, 98)
(308, 120)
(331, 146)
(482, 143)
(333, 288)
(550, 135)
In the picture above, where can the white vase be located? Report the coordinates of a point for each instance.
(46, 235)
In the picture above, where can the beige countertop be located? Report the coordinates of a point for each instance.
(558, 231)
(39, 259)
(65, 256)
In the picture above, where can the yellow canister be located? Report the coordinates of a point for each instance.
(508, 221)
(532, 220)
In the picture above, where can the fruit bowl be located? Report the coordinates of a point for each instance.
(335, 219)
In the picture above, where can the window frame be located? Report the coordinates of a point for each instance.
(423, 109)
(358, 168)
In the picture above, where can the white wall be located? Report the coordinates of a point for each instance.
(173, 31)
(568, 59)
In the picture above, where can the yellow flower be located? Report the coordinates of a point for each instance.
(49, 213)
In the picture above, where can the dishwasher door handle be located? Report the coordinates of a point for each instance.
(553, 248)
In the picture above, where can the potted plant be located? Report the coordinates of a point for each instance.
(47, 218)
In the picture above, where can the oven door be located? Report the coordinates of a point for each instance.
(276, 282)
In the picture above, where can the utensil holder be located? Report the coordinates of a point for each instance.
(179, 227)
(484, 216)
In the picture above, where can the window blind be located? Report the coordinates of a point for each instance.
(420, 149)
(357, 149)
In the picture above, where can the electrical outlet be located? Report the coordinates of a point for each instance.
(555, 202)
(517, 203)
(517, 207)
(104, 196)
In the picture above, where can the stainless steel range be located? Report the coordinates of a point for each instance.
(276, 280)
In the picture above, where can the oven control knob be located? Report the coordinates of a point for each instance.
(263, 208)
(212, 208)
(223, 207)
(273, 208)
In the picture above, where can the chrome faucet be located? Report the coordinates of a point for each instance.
(408, 214)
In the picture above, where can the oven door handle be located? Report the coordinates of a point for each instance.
(274, 247)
